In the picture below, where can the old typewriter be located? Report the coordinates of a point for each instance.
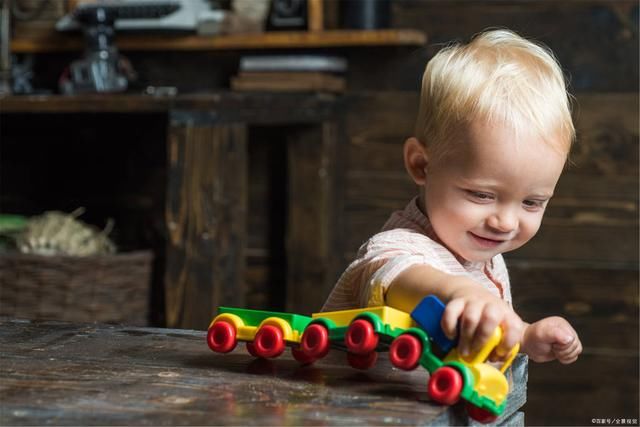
(141, 15)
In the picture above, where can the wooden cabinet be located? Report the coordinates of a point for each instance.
(207, 188)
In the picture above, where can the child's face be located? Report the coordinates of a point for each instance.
(490, 195)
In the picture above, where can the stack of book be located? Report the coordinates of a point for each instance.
(292, 73)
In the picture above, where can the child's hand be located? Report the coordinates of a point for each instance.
(551, 338)
(479, 313)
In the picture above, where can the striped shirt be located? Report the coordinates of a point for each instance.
(407, 239)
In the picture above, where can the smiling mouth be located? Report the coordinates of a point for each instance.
(485, 242)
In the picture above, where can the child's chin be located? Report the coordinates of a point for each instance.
(473, 256)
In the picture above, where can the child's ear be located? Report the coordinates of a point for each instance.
(415, 160)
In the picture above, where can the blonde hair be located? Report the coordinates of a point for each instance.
(497, 77)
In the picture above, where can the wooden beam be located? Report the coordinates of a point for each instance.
(206, 220)
(312, 233)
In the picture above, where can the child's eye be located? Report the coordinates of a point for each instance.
(478, 195)
(534, 203)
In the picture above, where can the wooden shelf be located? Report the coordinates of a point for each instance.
(90, 103)
(259, 107)
(56, 42)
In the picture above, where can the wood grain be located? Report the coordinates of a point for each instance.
(596, 41)
(53, 42)
(312, 211)
(93, 374)
(256, 108)
(206, 220)
(600, 385)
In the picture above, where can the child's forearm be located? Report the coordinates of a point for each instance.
(418, 281)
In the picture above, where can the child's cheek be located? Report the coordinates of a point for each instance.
(529, 227)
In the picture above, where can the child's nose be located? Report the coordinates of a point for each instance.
(505, 221)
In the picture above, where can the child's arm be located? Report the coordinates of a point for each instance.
(475, 309)
(479, 313)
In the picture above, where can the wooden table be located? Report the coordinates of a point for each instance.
(92, 374)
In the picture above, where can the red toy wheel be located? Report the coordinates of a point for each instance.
(252, 349)
(405, 352)
(315, 341)
(361, 337)
(362, 361)
(221, 337)
(445, 385)
(301, 356)
(481, 415)
(269, 342)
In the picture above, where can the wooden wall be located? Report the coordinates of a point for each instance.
(584, 262)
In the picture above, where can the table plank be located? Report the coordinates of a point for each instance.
(91, 374)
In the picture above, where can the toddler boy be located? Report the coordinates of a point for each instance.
(492, 137)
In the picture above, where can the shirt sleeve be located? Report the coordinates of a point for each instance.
(374, 293)
(386, 256)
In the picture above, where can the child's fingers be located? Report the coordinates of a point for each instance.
(569, 358)
(450, 317)
(564, 339)
(513, 328)
(469, 322)
(573, 356)
(493, 357)
(490, 318)
(568, 361)
(568, 354)
(564, 351)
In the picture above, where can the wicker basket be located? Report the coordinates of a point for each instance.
(104, 288)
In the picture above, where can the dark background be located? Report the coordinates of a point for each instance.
(582, 265)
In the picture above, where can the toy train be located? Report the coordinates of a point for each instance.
(411, 339)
